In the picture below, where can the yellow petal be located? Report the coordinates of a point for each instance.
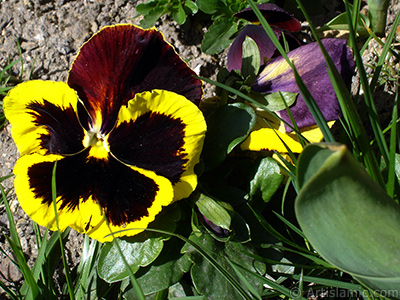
(264, 138)
(43, 117)
(163, 132)
(87, 215)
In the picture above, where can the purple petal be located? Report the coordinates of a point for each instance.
(264, 43)
(217, 230)
(275, 16)
(311, 65)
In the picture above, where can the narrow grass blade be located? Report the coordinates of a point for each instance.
(232, 280)
(64, 260)
(249, 99)
(291, 293)
(347, 105)
(135, 284)
(308, 99)
(244, 280)
(329, 282)
(390, 185)
(274, 232)
(15, 245)
(86, 266)
(386, 49)
(34, 289)
(369, 102)
(290, 225)
(10, 293)
(9, 66)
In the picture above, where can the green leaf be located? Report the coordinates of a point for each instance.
(312, 160)
(214, 212)
(209, 6)
(137, 253)
(348, 218)
(203, 273)
(33, 290)
(219, 35)
(179, 14)
(140, 250)
(267, 179)
(151, 12)
(274, 101)
(190, 7)
(228, 126)
(165, 271)
(251, 61)
(340, 23)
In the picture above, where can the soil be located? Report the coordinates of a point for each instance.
(50, 33)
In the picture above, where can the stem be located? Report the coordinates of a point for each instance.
(377, 14)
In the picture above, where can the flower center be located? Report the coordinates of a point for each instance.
(97, 143)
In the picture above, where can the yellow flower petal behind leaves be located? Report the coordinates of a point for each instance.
(269, 139)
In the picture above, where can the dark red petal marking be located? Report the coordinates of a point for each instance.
(275, 16)
(153, 142)
(123, 193)
(65, 134)
(123, 60)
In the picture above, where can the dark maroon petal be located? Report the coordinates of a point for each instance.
(64, 132)
(120, 61)
(264, 43)
(153, 142)
(311, 65)
(125, 194)
(275, 16)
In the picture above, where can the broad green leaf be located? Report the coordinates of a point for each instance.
(228, 126)
(178, 13)
(191, 7)
(151, 13)
(145, 8)
(214, 212)
(251, 61)
(267, 179)
(349, 219)
(210, 282)
(240, 229)
(209, 6)
(312, 160)
(274, 101)
(165, 271)
(137, 253)
(219, 35)
(140, 250)
(340, 23)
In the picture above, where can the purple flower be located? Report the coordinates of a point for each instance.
(279, 19)
(311, 65)
(277, 76)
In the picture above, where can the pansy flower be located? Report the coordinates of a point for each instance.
(270, 133)
(125, 131)
(280, 21)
